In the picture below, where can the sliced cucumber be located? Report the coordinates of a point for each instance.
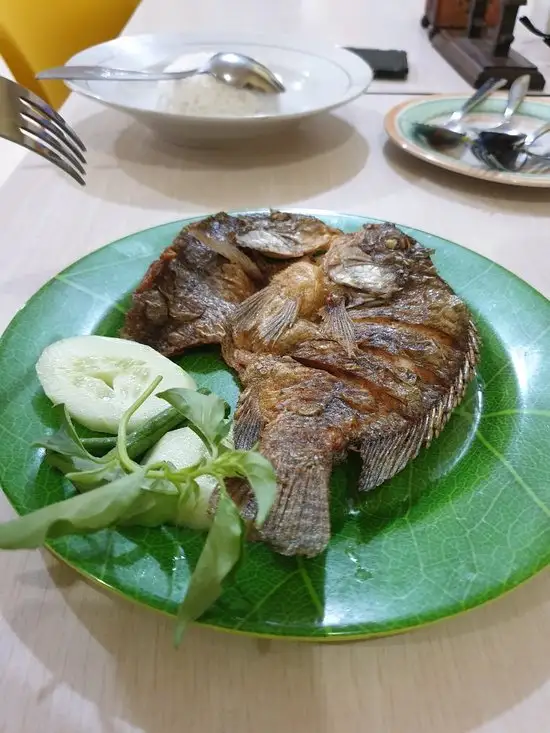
(97, 378)
(183, 448)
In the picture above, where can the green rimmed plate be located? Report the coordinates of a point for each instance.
(463, 523)
(399, 123)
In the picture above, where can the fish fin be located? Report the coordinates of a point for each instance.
(338, 325)
(271, 326)
(279, 321)
(384, 457)
(299, 520)
(245, 314)
(248, 422)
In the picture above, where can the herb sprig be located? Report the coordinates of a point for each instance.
(116, 490)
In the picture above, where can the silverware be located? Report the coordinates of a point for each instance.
(524, 162)
(29, 121)
(520, 142)
(453, 131)
(517, 94)
(232, 69)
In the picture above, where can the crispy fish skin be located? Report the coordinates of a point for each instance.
(186, 298)
(281, 235)
(188, 294)
(303, 425)
(351, 342)
(386, 394)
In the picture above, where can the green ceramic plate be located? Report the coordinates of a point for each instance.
(400, 120)
(465, 522)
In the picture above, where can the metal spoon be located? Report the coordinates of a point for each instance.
(497, 142)
(233, 69)
(453, 131)
(518, 92)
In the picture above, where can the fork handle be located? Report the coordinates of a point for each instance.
(103, 73)
(490, 86)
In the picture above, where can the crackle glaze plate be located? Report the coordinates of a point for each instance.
(466, 521)
(436, 109)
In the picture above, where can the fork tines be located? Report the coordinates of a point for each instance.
(29, 121)
(511, 162)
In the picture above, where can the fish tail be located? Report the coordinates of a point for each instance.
(299, 520)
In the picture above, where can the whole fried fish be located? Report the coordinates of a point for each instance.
(367, 349)
(342, 341)
(188, 294)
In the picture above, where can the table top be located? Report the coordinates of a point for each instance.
(76, 660)
(10, 155)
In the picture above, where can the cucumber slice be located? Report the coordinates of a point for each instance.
(183, 448)
(97, 378)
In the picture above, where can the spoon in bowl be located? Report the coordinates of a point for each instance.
(232, 69)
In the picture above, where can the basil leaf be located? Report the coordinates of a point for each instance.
(259, 472)
(83, 513)
(219, 555)
(206, 413)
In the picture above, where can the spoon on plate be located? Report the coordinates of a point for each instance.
(453, 131)
(517, 94)
(232, 69)
(511, 142)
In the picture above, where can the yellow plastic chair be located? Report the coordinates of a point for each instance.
(36, 34)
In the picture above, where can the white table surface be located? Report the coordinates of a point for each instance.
(10, 154)
(74, 660)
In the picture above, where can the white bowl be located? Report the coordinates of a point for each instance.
(318, 77)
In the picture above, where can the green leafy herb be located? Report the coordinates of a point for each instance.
(87, 512)
(259, 472)
(66, 441)
(219, 556)
(206, 413)
(119, 491)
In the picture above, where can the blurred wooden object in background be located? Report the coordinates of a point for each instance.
(35, 35)
(454, 14)
(477, 51)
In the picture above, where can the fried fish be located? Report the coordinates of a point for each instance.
(341, 341)
(213, 265)
(368, 350)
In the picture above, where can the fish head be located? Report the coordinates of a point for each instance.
(375, 262)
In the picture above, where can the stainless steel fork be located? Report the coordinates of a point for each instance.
(29, 121)
(523, 162)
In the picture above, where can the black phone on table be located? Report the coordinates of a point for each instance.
(385, 64)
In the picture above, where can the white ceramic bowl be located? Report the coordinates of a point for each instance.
(318, 77)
